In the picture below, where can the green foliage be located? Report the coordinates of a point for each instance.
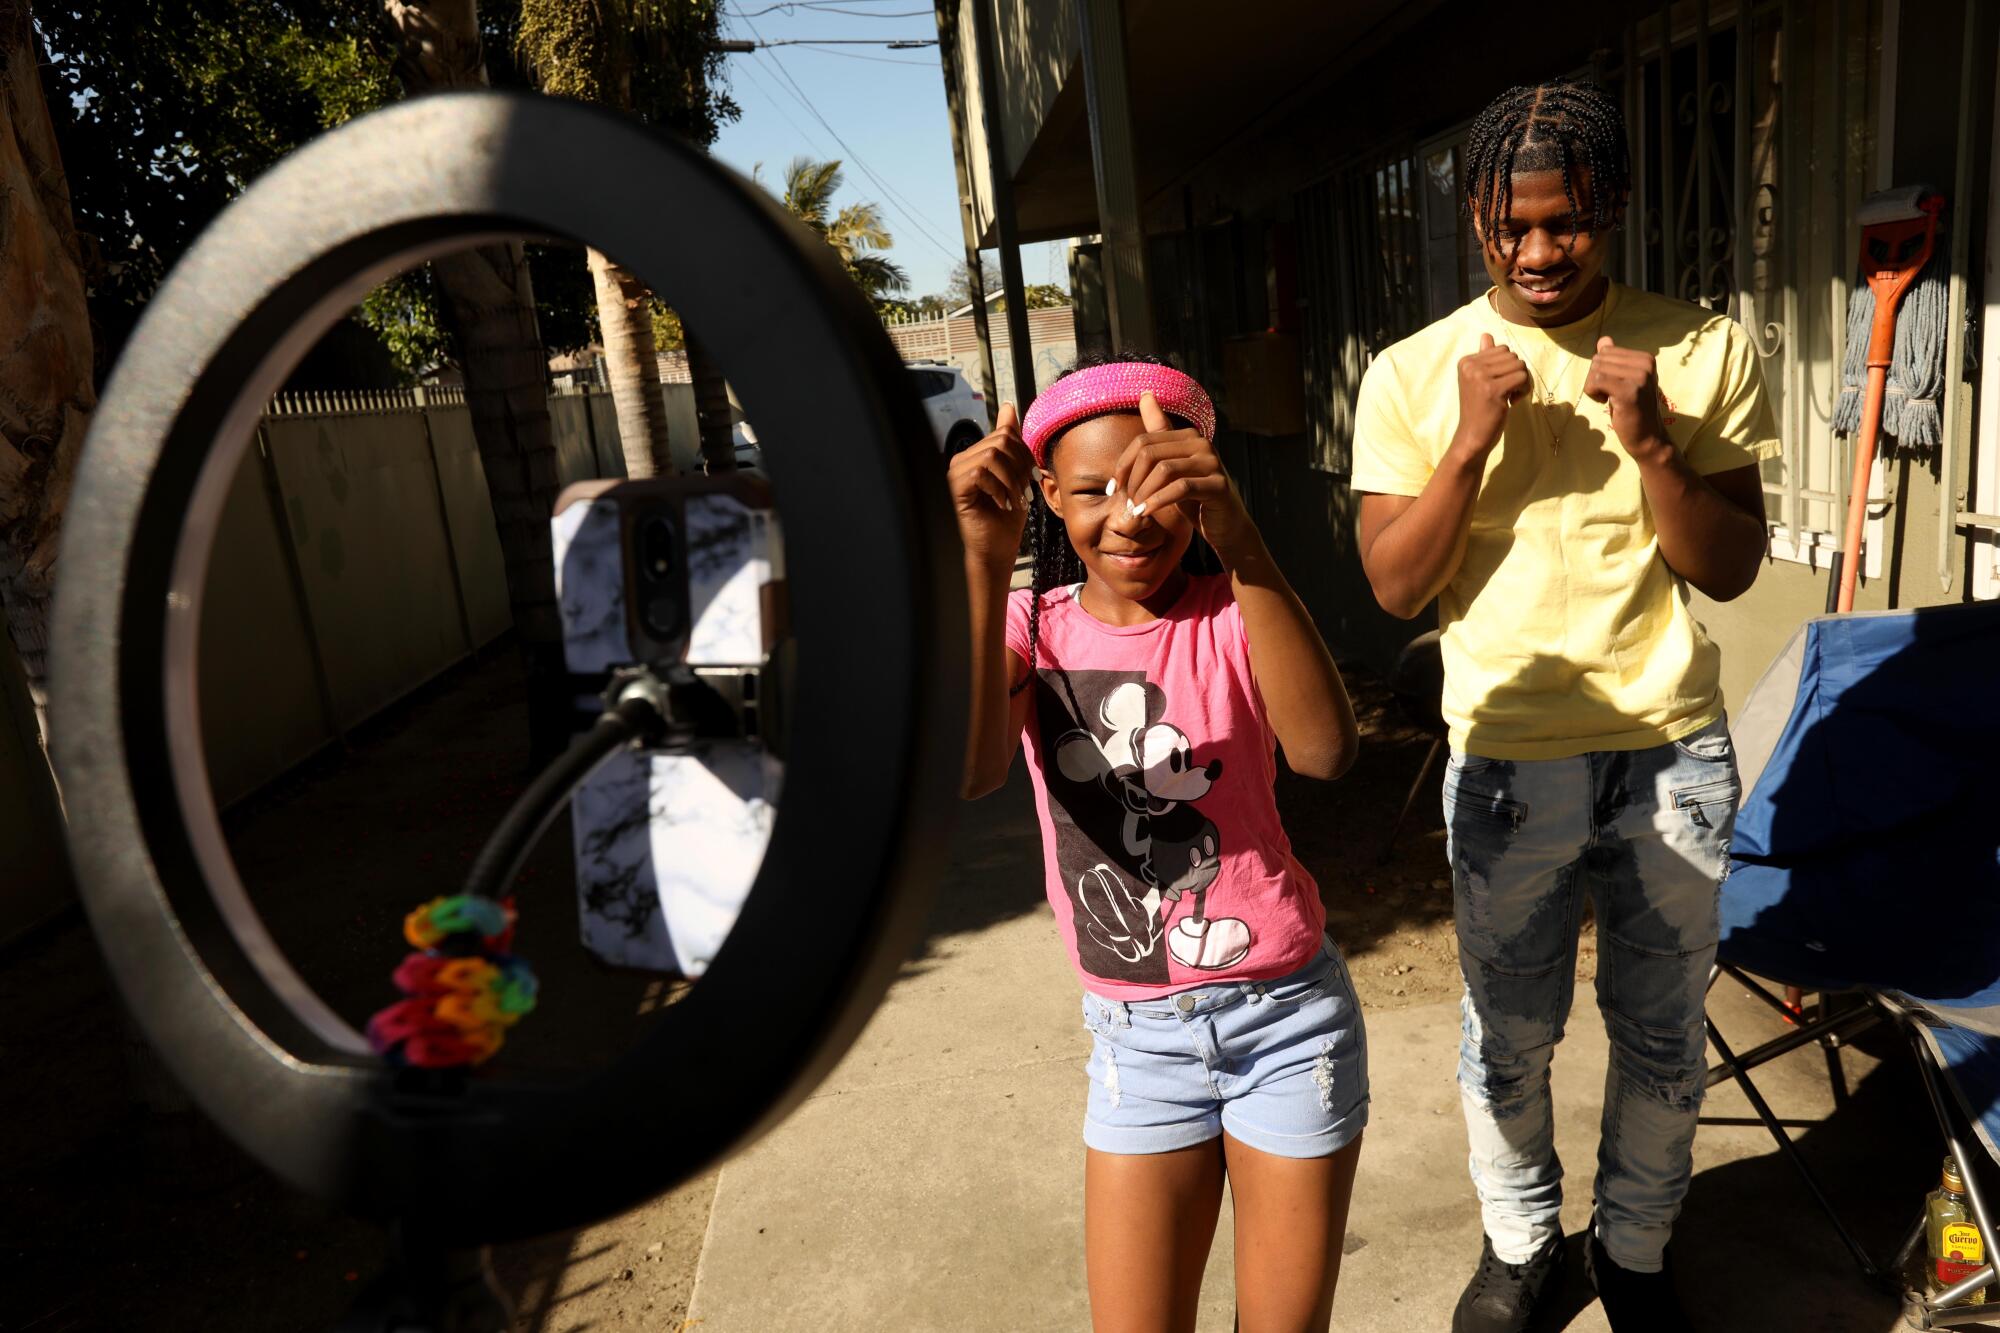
(163, 120)
(406, 313)
(1038, 296)
(165, 115)
(668, 336)
(403, 314)
(856, 233)
(653, 59)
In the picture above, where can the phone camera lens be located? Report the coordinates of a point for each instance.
(656, 547)
(659, 595)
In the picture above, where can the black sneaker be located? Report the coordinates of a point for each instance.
(1503, 1297)
(1633, 1302)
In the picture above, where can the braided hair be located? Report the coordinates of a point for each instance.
(1561, 125)
(1057, 564)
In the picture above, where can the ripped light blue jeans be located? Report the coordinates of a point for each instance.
(1643, 835)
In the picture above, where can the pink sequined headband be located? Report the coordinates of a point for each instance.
(1112, 388)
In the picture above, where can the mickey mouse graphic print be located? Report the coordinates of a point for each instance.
(1153, 764)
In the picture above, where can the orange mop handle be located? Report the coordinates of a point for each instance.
(1888, 284)
(1864, 462)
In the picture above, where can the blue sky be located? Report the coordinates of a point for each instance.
(888, 107)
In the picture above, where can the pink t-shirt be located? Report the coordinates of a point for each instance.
(1153, 764)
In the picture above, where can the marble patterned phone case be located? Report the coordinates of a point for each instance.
(667, 846)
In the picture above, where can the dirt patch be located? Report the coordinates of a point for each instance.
(1390, 915)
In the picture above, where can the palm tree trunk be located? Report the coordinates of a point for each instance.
(632, 365)
(490, 304)
(711, 391)
(492, 311)
(711, 409)
(47, 395)
(46, 389)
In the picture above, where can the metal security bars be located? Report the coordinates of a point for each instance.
(1367, 259)
(1753, 139)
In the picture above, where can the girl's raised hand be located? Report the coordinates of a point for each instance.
(990, 492)
(1165, 467)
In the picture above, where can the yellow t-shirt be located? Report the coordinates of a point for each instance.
(1564, 631)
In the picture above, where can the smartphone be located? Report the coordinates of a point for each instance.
(683, 570)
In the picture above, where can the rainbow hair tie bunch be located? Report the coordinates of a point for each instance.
(464, 986)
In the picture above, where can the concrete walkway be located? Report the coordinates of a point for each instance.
(935, 1180)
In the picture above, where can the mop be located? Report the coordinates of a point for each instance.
(1893, 374)
(1892, 377)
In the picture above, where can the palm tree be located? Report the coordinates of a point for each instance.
(490, 301)
(655, 61)
(856, 232)
(46, 394)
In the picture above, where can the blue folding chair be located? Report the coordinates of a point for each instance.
(1866, 866)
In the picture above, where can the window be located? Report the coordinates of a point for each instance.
(1753, 140)
(1384, 249)
(1746, 173)
(1366, 252)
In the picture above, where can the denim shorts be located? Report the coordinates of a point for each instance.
(1282, 1065)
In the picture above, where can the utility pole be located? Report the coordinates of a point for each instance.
(954, 100)
(1108, 100)
(1004, 222)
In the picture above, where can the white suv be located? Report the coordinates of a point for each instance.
(957, 413)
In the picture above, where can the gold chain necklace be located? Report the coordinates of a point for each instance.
(1543, 396)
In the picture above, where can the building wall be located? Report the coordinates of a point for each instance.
(1209, 285)
(1036, 48)
(1051, 336)
(1921, 496)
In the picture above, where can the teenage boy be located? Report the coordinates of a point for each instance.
(1557, 463)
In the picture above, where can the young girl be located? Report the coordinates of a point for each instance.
(1226, 1037)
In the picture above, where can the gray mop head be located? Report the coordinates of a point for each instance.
(1910, 412)
(1893, 205)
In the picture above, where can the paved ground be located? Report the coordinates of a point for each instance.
(933, 1182)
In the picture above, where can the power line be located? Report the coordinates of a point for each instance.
(829, 6)
(897, 198)
(824, 8)
(750, 68)
(880, 60)
(893, 43)
(904, 206)
(867, 170)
